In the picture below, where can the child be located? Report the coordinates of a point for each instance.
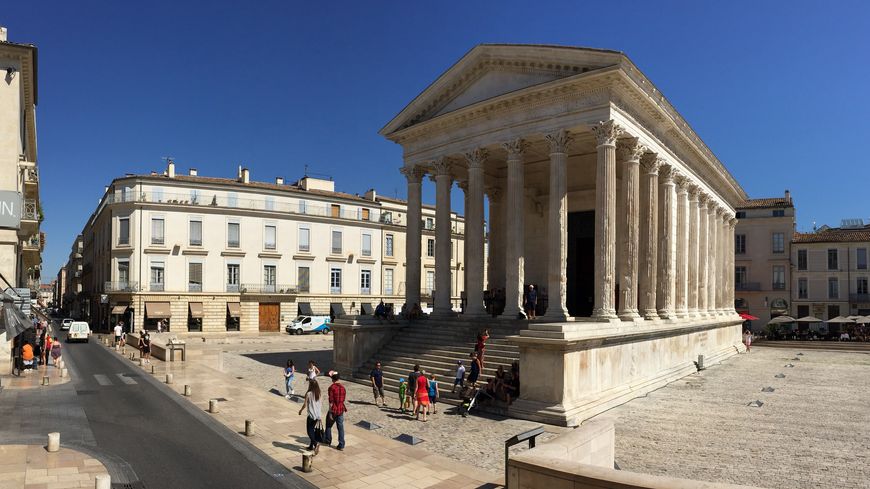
(460, 377)
(313, 371)
(289, 374)
(433, 393)
(403, 399)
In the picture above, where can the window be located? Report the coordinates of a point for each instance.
(833, 288)
(302, 207)
(803, 311)
(270, 203)
(803, 288)
(124, 231)
(430, 223)
(778, 243)
(861, 286)
(270, 237)
(366, 245)
(335, 210)
(388, 245)
(833, 311)
(270, 274)
(740, 244)
(388, 281)
(232, 199)
(779, 213)
(739, 277)
(365, 282)
(303, 279)
(194, 277)
(123, 274)
(387, 217)
(335, 281)
(157, 231)
(304, 239)
(430, 281)
(430, 247)
(157, 194)
(232, 277)
(778, 277)
(156, 276)
(802, 259)
(833, 260)
(195, 233)
(365, 214)
(861, 258)
(740, 214)
(336, 242)
(232, 235)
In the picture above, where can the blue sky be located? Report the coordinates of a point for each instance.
(777, 89)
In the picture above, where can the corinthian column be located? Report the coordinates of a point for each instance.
(727, 270)
(667, 244)
(557, 234)
(496, 235)
(693, 250)
(474, 234)
(606, 134)
(414, 237)
(630, 152)
(730, 305)
(703, 254)
(682, 280)
(515, 257)
(443, 182)
(712, 257)
(648, 239)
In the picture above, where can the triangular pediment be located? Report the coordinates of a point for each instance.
(492, 70)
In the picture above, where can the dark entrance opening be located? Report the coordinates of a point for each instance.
(581, 263)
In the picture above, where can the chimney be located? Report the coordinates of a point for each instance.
(193, 172)
(246, 176)
(371, 195)
(170, 169)
(3, 33)
(788, 196)
(279, 180)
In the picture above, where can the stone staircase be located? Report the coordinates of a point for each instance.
(436, 345)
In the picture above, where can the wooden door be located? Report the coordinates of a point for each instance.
(269, 317)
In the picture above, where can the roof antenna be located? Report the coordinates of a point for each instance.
(168, 159)
(305, 174)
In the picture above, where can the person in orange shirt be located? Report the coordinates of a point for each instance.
(27, 356)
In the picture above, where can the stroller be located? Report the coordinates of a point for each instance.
(471, 396)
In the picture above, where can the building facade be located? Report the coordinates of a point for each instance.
(762, 258)
(831, 272)
(216, 254)
(74, 301)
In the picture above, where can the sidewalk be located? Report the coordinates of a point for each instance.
(33, 467)
(33, 380)
(369, 460)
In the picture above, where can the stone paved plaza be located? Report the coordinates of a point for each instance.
(813, 431)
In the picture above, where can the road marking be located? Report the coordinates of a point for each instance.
(126, 380)
(102, 379)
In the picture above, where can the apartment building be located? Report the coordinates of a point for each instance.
(762, 240)
(217, 254)
(831, 273)
(73, 300)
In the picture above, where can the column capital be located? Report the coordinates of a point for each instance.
(651, 163)
(476, 158)
(607, 132)
(441, 166)
(463, 184)
(682, 183)
(494, 193)
(694, 192)
(630, 150)
(414, 174)
(515, 148)
(732, 222)
(711, 205)
(559, 141)
(667, 173)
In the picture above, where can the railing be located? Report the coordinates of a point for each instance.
(778, 286)
(156, 287)
(749, 286)
(31, 176)
(194, 287)
(33, 243)
(121, 286)
(31, 210)
(268, 289)
(859, 297)
(233, 288)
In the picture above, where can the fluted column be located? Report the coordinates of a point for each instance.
(682, 279)
(414, 237)
(606, 134)
(667, 243)
(727, 273)
(732, 223)
(496, 236)
(711, 258)
(515, 256)
(703, 254)
(630, 152)
(463, 185)
(474, 234)
(557, 231)
(443, 182)
(648, 239)
(693, 250)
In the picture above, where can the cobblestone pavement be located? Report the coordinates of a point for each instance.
(813, 431)
(33, 467)
(475, 440)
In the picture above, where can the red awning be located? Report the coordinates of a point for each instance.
(748, 317)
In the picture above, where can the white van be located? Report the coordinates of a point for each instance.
(309, 324)
(78, 331)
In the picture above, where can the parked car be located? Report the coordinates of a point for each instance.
(65, 324)
(79, 331)
(309, 324)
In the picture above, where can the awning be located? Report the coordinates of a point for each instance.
(337, 309)
(748, 317)
(367, 308)
(234, 309)
(305, 309)
(12, 320)
(120, 309)
(157, 310)
(196, 310)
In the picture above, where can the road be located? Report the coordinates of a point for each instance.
(167, 442)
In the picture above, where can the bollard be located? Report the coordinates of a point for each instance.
(168, 378)
(45, 380)
(188, 391)
(64, 373)
(103, 481)
(53, 442)
(141, 362)
(132, 356)
(213, 406)
(307, 462)
(152, 369)
(249, 427)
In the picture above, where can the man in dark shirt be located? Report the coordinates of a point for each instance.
(412, 386)
(337, 395)
(377, 377)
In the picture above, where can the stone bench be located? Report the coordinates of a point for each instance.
(162, 348)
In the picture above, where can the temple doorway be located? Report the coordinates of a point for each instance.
(581, 263)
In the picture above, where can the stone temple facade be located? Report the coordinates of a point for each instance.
(601, 195)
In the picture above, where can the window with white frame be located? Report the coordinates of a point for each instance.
(740, 277)
(778, 277)
(430, 281)
(270, 277)
(388, 281)
(430, 247)
(233, 276)
(833, 259)
(195, 232)
(123, 230)
(123, 274)
(388, 245)
(232, 199)
(739, 244)
(430, 223)
(778, 243)
(365, 282)
(861, 258)
(335, 281)
(194, 277)
(302, 207)
(802, 259)
(233, 235)
(833, 288)
(303, 279)
(366, 244)
(304, 238)
(803, 288)
(270, 237)
(157, 278)
(336, 242)
(861, 286)
(157, 228)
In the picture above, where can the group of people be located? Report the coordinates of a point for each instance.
(383, 311)
(494, 301)
(311, 405)
(45, 349)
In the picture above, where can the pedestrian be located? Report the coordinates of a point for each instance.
(460, 377)
(412, 386)
(289, 375)
(747, 340)
(377, 378)
(434, 393)
(160, 326)
(480, 346)
(313, 371)
(27, 356)
(46, 346)
(475, 370)
(145, 345)
(337, 394)
(312, 405)
(421, 404)
(403, 395)
(55, 351)
(118, 332)
(531, 301)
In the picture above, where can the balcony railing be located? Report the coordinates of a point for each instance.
(194, 287)
(778, 286)
(31, 210)
(31, 176)
(121, 286)
(268, 289)
(156, 287)
(747, 286)
(859, 297)
(32, 243)
(232, 287)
